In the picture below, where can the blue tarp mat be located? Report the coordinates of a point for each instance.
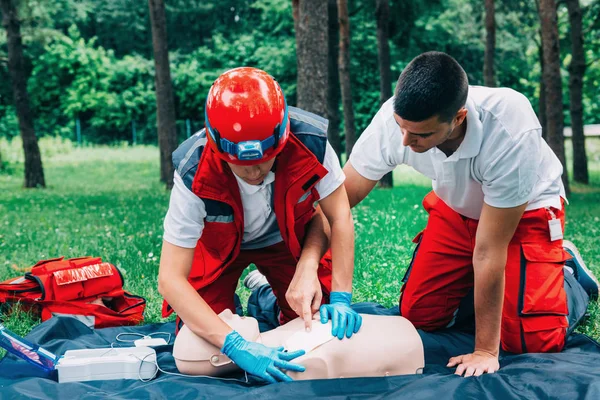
(574, 373)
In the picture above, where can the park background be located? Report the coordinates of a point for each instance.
(93, 177)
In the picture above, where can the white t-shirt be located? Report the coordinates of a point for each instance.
(184, 221)
(502, 161)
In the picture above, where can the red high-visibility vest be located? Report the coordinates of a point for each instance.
(297, 170)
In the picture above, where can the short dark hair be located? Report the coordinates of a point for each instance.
(433, 83)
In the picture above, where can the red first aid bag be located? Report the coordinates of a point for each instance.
(85, 288)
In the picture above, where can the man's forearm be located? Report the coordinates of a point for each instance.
(194, 311)
(173, 285)
(489, 297)
(342, 249)
(316, 241)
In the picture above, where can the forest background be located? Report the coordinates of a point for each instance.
(91, 72)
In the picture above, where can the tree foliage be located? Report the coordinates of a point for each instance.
(92, 59)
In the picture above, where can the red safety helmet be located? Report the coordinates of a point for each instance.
(246, 116)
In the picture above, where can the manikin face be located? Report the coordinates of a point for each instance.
(228, 316)
(424, 135)
(246, 326)
(253, 174)
(190, 347)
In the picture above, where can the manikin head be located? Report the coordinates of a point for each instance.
(194, 355)
(429, 101)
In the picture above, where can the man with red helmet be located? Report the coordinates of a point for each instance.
(249, 197)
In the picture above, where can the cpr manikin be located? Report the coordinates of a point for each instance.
(385, 346)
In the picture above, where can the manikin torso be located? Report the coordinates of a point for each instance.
(384, 346)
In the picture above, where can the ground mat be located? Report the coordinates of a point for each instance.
(574, 373)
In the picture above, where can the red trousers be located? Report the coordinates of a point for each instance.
(535, 303)
(277, 264)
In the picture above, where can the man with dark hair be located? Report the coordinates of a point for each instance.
(496, 213)
(432, 84)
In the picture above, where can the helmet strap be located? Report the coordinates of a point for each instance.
(212, 131)
(217, 139)
(276, 136)
(278, 128)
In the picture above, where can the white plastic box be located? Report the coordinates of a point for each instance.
(107, 363)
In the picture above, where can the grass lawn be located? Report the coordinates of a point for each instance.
(107, 201)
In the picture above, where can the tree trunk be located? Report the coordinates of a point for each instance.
(344, 66)
(382, 15)
(34, 171)
(489, 78)
(542, 105)
(295, 12)
(576, 73)
(554, 107)
(165, 105)
(333, 92)
(311, 55)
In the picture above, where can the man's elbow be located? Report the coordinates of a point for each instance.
(353, 196)
(166, 284)
(342, 219)
(489, 257)
(353, 200)
(163, 286)
(480, 253)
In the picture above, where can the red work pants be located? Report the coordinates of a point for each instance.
(277, 264)
(535, 304)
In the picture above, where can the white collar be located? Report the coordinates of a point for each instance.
(249, 189)
(471, 144)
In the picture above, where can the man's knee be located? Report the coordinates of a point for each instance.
(534, 334)
(428, 313)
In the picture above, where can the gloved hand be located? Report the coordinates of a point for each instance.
(343, 318)
(260, 360)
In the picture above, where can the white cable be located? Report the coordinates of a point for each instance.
(158, 368)
(167, 334)
(155, 363)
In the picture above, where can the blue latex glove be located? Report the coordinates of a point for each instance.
(343, 318)
(260, 360)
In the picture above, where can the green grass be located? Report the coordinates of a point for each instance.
(108, 202)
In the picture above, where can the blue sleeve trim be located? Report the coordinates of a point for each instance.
(187, 156)
(216, 208)
(311, 130)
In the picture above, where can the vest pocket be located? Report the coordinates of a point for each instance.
(541, 290)
(219, 239)
(306, 203)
